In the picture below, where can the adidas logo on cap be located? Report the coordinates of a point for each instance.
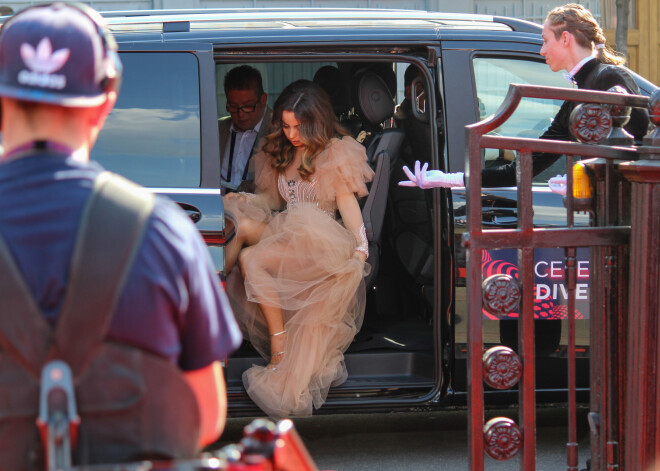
(43, 62)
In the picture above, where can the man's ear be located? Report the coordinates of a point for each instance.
(110, 102)
(566, 38)
(104, 109)
(264, 99)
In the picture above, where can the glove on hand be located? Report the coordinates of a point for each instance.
(558, 184)
(431, 178)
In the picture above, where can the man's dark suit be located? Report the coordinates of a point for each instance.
(224, 126)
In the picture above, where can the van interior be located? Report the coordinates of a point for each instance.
(395, 346)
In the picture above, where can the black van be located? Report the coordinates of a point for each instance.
(411, 350)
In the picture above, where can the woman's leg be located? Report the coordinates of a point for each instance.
(248, 233)
(272, 313)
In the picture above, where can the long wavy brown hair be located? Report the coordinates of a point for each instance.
(312, 108)
(579, 21)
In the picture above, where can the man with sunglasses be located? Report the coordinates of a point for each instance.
(240, 132)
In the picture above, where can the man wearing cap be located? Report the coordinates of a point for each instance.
(97, 272)
(240, 132)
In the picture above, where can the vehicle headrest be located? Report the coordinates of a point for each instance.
(330, 79)
(383, 69)
(375, 101)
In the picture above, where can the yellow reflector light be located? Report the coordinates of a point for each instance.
(581, 182)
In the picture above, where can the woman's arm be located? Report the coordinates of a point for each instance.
(352, 218)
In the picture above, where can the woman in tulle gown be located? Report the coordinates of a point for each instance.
(301, 297)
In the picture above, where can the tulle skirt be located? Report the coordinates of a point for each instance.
(304, 264)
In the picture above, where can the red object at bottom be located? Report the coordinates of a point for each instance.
(268, 446)
(265, 446)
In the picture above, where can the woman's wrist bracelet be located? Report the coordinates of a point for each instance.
(363, 242)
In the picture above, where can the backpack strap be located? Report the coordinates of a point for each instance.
(24, 332)
(109, 234)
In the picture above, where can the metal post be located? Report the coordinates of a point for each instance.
(527, 390)
(608, 289)
(642, 411)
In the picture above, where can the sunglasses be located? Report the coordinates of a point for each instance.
(243, 108)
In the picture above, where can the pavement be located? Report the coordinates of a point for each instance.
(419, 440)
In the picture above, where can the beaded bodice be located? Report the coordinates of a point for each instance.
(299, 191)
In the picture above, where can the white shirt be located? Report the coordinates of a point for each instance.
(242, 149)
(570, 76)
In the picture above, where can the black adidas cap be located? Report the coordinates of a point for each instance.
(58, 53)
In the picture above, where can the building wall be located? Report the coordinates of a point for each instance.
(531, 10)
(643, 40)
(106, 5)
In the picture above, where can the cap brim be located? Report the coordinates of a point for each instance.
(42, 96)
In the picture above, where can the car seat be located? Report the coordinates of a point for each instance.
(375, 104)
(333, 82)
(330, 79)
(363, 78)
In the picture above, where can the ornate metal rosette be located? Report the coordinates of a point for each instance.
(501, 294)
(502, 438)
(654, 107)
(590, 123)
(502, 367)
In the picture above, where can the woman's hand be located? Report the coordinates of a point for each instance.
(352, 219)
(239, 196)
(361, 256)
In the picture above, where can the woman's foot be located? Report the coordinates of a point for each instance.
(277, 350)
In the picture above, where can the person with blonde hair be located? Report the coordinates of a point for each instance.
(301, 299)
(572, 41)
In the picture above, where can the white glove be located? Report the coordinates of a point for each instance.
(431, 178)
(558, 184)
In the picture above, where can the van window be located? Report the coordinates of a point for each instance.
(275, 77)
(532, 117)
(153, 134)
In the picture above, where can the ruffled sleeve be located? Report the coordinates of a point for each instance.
(342, 168)
(257, 206)
(266, 181)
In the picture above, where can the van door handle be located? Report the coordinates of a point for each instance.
(193, 213)
(506, 220)
(500, 217)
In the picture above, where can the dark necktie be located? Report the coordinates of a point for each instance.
(231, 155)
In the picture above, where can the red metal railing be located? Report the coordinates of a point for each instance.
(609, 238)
